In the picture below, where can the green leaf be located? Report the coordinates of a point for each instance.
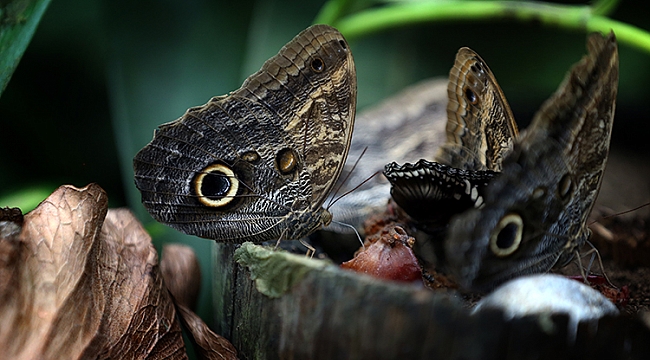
(18, 21)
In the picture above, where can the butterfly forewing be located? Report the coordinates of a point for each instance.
(480, 131)
(480, 124)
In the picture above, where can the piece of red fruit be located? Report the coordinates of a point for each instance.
(387, 255)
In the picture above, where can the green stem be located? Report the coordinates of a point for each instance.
(625, 33)
(562, 16)
(603, 7)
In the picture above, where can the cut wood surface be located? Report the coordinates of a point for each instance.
(285, 306)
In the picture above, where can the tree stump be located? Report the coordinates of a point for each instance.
(275, 305)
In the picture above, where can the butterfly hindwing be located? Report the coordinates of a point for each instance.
(535, 212)
(257, 164)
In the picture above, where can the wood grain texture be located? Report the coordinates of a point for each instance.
(336, 314)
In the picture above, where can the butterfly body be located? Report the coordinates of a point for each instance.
(258, 163)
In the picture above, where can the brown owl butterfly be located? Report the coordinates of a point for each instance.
(480, 131)
(534, 213)
(257, 164)
(480, 125)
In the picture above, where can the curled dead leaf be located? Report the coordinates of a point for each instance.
(208, 344)
(70, 288)
(182, 274)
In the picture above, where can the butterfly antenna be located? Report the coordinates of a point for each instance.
(620, 213)
(347, 176)
(353, 228)
(353, 189)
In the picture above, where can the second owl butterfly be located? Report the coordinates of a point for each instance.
(480, 131)
(258, 163)
(535, 212)
(480, 125)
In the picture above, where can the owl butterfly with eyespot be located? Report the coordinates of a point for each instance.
(480, 125)
(480, 131)
(258, 163)
(535, 212)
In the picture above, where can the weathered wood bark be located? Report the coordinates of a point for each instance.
(284, 306)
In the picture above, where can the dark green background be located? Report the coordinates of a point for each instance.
(100, 75)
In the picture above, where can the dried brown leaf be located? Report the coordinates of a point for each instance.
(70, 288)
(182, 274)
(208, 344)
(139, 317)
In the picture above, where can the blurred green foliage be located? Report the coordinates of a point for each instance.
(100, 76)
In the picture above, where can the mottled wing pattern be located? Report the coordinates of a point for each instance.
(316, 112)
(480, 131)
(480, 124)
(257, 164)
(535, 212)
(431, 193)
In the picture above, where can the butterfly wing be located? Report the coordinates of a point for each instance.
(431, 193)
(480, 130)
(311, 86)
(243, 166)
(480, 125)
(535, 211)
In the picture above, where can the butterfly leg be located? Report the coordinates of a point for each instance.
(594, 252)
(277, 244)
(310, 249)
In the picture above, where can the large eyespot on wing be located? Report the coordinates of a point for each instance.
(216, 186)
(284, 135)
(552, 177)
(480, 125)
(565, 186)
(506, 236)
